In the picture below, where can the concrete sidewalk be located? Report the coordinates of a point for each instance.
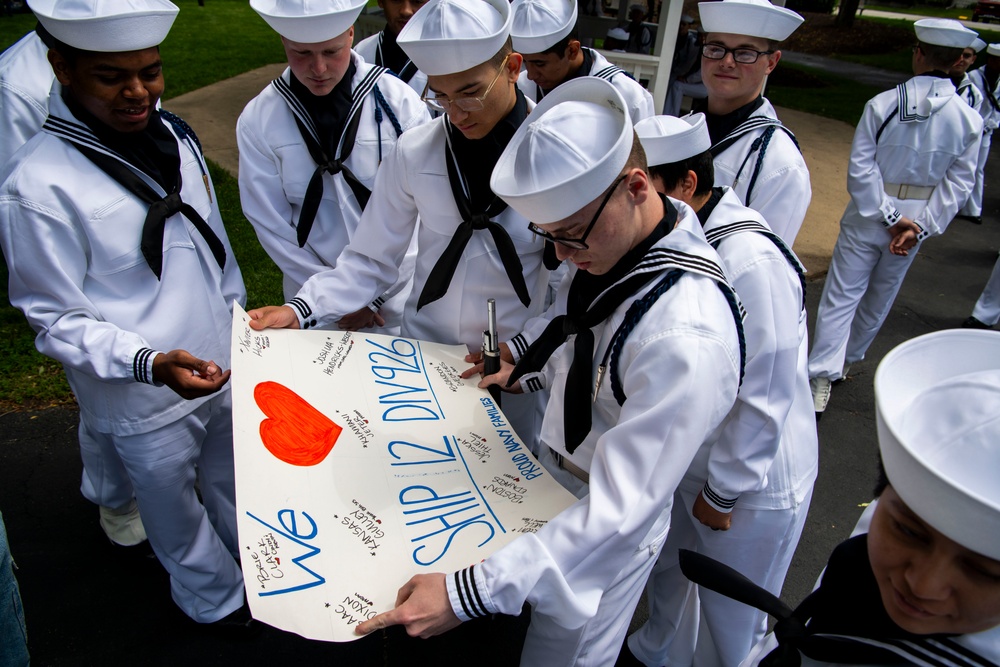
(826, 145)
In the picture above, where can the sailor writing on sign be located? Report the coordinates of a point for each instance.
(645, 299)
(311, 144)
(435, 184)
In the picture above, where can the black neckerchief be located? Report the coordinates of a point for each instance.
(390, 54)
(153, 150)
(477, 157)
(705, 211)
(328, 112)
(719, 126)
(591, 300)
(582, 70)
(470, 163)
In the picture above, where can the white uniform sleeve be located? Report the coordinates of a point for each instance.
(748, 442)
(370, 264)
(781, 195)
(47, 261)
(864, 179)
(564, 569)
(266, 207)
(23, 117)
(232, 287)
(951, 193)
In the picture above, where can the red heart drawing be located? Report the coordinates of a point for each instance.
(294, 432)
(278, 561)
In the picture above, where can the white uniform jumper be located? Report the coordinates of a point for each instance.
(413, 194)
(979, 649)
(584, 571)
(760, 464)
(639, 101)
(72, 244)
(276, 168)
(25, 80)
(989, 109)
(761, 162)
(914, 155)
(370, 48)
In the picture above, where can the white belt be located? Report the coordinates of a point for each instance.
(904, 191)
(571, 467)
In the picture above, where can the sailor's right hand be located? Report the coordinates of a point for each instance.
(273, 317)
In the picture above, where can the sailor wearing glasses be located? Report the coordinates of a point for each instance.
(435, 183)
(545, 33)
(649, 316)
(754, 153)
(311, 143)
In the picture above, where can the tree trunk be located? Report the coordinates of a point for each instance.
(845, 17)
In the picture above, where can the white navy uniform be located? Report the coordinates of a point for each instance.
(368, 48)
(782, 191)
(987, 308)
(276, 168)
(914, 154)
(969, 92)
(984, 646)
(72, 244)
(25, 80)
(638, 99)
(760, 464)
(989, 109)
(412, 194)
(584, 571)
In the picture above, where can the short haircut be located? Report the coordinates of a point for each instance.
(673, 173)
(505, 50)
(559, 48)
(940, 57)
(637, 156)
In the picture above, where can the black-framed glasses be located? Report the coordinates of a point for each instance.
(580, 243)
(742, 55)
(464, 103)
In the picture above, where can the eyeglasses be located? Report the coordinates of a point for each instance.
(464, 103)
(741, 55)
(580, 243)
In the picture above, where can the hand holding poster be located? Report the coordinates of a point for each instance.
(362, 460)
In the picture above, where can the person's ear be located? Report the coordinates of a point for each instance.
(60, 66)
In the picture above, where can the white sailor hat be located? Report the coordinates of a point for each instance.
(937, 401)
(106, 26)
(450, 36)
(667, 139)
(571, 148)
(754, 18)
(944, 32)
(993, 50)
(309, 21)
(540, 24)
(978, 45)
(618, 33)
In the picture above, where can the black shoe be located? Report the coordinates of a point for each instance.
(974, 219)
(239, 622)
(973, 323)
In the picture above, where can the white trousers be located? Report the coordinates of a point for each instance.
(974, 205)
(104, 481)
(860, 287)
(598, 642)
(760, 545)
(194, 541)
(987, 308)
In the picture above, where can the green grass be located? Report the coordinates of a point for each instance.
(925, 10)
(820, 93)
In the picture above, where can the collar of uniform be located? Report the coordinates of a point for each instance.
(152, 150)
(393, 55)
(586, 287)
(936, 73)
(583, 70)
(706, 211)
(719, 126)
(328, 112)
(477, 157)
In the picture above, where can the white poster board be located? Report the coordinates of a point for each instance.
(362, 460)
